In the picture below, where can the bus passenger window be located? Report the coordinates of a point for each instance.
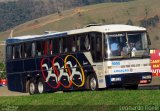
(96, 46)
(9, 52)
(28, 48)
(78, 43)
(55, 46)
(74, 45)
(39, 48)
(87, 42)
(45, 47)
(84, 42)
(65, 48)
(33, 49)
(23, 51)
(13, 56)
(20, 50)
(60, 45)
(50, 47)
(70, 45)
(16, 52)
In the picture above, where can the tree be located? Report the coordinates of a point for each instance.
(129, 22)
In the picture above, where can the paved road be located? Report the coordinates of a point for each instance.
(155, 85)
(5, 92)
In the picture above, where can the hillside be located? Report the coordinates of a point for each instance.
(138, 12)
(15, 12)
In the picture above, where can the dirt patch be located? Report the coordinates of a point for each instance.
(5, 92)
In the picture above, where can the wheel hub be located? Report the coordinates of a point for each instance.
(93, 83)
(40, 87)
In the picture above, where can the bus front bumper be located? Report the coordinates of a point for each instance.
(129, 78)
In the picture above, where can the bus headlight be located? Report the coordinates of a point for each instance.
(116, 79)
(146, 77)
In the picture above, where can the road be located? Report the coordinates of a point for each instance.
(5, 92)
(155, 85)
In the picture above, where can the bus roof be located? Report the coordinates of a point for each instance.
(100, 28)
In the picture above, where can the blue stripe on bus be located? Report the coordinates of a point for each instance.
(15, 40)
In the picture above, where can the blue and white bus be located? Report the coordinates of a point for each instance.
(92, 57)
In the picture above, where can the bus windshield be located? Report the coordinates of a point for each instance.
(126, 45)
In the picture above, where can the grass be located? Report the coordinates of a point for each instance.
(112, 99)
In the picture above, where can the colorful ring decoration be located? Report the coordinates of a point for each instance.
(82, 72)
(59, 72)
(44, 76)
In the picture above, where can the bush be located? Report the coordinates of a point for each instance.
(153, 21)
(2, 71)
(156, 37)
(103, 21)
(129, 22)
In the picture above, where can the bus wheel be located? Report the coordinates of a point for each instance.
(93, 85)
(87, 83)
(40, 86)
(32, 87)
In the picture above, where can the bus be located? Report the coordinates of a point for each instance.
(93, 57)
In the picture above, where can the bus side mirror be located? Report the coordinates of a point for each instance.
(148, 39)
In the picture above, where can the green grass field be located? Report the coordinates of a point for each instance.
(107, 99)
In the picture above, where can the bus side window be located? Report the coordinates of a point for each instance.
(28, 49)
(23, 50)
(50, 47)
(96, 46)
(13, 55)
(38, 48)
(60, 45)
(45, 47)
(74, 44)
(69, 44)
(99, 47)
(33, 49)
(55, 46)
(16, 52)
(85, 42)
(82, 43)
(92, 35)
(9, 52)
(77, 43)
(20, 50)
(65, 48)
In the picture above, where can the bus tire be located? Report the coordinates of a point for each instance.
(40, 86)
(87, 83)
(27, 86)
(132, 87)
(93, 83)
(32, 87)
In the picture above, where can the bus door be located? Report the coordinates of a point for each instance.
(96, 50)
